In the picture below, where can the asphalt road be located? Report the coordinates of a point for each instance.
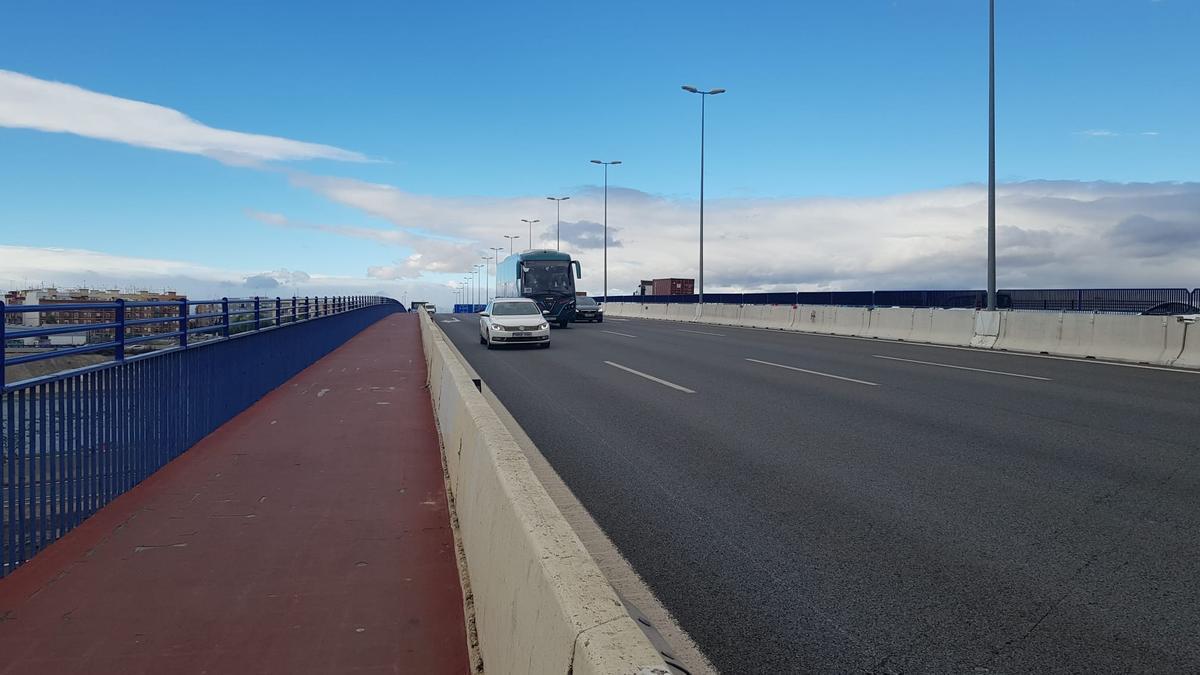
(805, 503)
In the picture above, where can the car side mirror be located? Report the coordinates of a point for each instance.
(578, 271)
(484, 314)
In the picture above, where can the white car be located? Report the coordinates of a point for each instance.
(507, 321)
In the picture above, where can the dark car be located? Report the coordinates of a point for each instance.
(587, 309)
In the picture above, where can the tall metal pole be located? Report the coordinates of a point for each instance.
(558, 220)
(496, 252)
(531, 222)
(700, 298)
(487, 284)
(510, 238)
(991, 271)
(703, 95)
(606, 165)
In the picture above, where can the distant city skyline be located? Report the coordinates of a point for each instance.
(220, 152)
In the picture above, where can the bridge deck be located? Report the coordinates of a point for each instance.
(309, 534)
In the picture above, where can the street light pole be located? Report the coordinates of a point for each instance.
(510, 238)
(558, 220)
(496, 250)
(531, 222)
(991, 271)
(606, 165)
(703, 95)
(487, 287)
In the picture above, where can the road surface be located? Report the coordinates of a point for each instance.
(815, 503)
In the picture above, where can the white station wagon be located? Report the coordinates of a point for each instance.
(508, 321)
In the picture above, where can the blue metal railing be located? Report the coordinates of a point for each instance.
(72, 441)
(1129, 300)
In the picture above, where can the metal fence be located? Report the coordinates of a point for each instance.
(75, 440)
(1128, 300)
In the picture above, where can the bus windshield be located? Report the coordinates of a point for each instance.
(547, 276)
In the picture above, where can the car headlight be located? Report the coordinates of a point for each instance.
(498, 327)
(544, 326)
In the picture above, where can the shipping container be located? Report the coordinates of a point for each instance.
(674, 286)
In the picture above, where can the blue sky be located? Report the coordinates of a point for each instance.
(463, 102)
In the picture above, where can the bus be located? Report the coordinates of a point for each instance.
(544, 276)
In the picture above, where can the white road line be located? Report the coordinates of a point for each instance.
(814, 372)
(612, 318)
(613, 332)
(977, 370)
(700, 332)
(650, 377)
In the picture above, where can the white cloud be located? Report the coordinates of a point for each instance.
(1051, 233)
(1098, 133)
(30, 103)
(30, 266)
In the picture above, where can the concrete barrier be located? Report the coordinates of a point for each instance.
(890, 323)
(541, 603)
(1189, 352)
(682, 311)
(850, 321)
(618, 309)
(654, 310)
(1157, 340)
(815, 319)
(768, 316)
(721, 314)
(1142, 339)
(946, 327)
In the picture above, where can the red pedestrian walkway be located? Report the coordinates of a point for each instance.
(308, 535)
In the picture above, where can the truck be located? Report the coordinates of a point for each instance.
(544, 276)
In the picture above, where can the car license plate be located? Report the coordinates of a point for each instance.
(522, 333)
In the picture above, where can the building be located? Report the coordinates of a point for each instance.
(86, 296)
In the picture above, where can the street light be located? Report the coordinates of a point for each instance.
(606, 165)
(467, 285)
(475, 275)
(497, 250)
(991, 271)
(531, 222)
(487, 289)
(510, 238)
(703, 95)
(558, 219)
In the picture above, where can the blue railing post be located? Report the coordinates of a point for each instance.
(120, 350)
(183, 323)
(3, 351)
(278, 302)
(257, 314)
(225, 316)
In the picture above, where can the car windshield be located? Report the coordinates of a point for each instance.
(585, 302)
(516, 309)
(548, 276)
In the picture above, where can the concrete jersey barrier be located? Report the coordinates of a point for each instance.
(768, 316)
(1167, 341)
(541, 603)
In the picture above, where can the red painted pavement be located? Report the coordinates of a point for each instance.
(308, 535)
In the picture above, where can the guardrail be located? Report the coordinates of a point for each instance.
(74, 440)
(1124, 300)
